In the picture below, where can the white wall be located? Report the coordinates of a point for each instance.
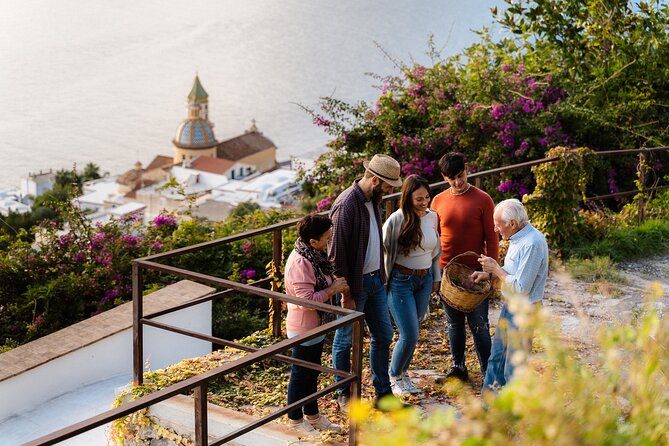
(109, 357)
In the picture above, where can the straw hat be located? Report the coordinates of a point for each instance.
(386, 168)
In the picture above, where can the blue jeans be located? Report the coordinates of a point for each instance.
(506, 342)
(407, 299)
(457, 333)
(374, 303)
(304, 381)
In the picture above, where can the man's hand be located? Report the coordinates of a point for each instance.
(479, 276)
(491, 266)
(435, 286)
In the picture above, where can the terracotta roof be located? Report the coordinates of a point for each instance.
(211, 165)
(243, 145)
(130, 177)
(160, 161)
(138, 177)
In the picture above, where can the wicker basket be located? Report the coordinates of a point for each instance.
(456, 295)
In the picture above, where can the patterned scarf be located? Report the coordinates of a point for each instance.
(321, 264)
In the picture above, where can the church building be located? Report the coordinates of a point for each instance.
(195, 137)
(196, 147)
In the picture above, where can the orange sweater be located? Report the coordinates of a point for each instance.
(466, 224)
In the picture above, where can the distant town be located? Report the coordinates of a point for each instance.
(215, 175)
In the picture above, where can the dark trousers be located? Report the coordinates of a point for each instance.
(457, 333)
(304, 381)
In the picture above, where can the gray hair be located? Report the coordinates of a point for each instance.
(512, 209)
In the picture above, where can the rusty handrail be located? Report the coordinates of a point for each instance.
(190, 383)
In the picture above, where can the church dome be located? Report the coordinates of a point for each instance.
(195, 133)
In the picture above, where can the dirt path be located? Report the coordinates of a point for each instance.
(583, 308)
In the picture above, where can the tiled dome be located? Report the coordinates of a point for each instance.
(195, 133)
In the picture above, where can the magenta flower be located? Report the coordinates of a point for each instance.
(164, 220)
(324, 204)
(247, 274)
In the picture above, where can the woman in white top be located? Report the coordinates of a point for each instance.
(412, 252)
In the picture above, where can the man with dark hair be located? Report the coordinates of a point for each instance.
(356, 250)
(465, 224)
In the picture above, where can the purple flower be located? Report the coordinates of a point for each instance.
(498, 111)
(64, 241)
(131, 240)
(324, 204)
(321, 122)
(247, 274)
(97, 240)
(109, 295)
(511, 186)
(164, 220)
(527, 106)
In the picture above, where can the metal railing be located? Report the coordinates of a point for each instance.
(198, 384)
(392, 199)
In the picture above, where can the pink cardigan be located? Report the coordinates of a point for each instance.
(300, 282)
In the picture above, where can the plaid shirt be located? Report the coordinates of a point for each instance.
(350, 234)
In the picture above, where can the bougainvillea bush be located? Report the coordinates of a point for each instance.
(568, 73)
(74, 269)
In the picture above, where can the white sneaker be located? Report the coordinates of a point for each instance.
(302, 427)
(323, 424)
(409, 386)
(397, 386)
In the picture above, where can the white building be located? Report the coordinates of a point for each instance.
(9, 204)
(270, 190)
(100, 194)
(36, 184)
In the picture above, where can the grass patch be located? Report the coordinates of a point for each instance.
(597, 269)
(606, 289)
(645, 240)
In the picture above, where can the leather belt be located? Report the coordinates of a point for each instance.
(415, 272)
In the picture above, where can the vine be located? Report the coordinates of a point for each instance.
(561, 185)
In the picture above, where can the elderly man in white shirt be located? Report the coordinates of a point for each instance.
(524, 274)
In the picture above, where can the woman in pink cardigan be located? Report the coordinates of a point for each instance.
(308, 275)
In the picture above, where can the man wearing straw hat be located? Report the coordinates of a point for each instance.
(465, 224)
(356, 249)
(523, 278)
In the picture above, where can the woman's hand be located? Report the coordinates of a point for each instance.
(339, 285)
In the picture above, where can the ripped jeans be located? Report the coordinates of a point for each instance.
(457, 333)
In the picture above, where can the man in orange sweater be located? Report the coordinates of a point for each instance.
(465, 224)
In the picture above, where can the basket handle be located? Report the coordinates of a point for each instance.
(468, 253)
